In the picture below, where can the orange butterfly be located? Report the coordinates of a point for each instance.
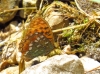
(37, 39)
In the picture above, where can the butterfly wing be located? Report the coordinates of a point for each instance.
(37, 39)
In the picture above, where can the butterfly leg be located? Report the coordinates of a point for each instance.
(21, 65)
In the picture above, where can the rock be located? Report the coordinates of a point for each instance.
(93, 52)
(89, 64)
(29, 2)
(14, 25)
(59, 64)
(7, 5)
(56, 21)
(67, 49)
(94, 72)
(10, 70)
(88, 7)
(53, 15)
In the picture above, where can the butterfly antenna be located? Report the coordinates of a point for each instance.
(40, 8)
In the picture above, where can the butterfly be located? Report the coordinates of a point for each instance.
(37, 40)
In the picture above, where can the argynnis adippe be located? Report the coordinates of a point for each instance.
(37, 39)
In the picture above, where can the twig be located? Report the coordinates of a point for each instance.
(71, 27)
(17, 9)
